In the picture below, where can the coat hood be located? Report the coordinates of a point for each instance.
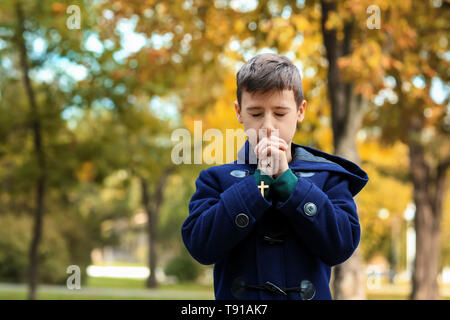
(306, 158)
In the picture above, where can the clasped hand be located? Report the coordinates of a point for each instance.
(271, 153)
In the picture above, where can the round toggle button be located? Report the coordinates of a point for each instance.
(239, 173)
(307, 290)
(310, 209)
(238, 287)
(242, 220)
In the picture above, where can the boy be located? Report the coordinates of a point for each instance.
(274, 228)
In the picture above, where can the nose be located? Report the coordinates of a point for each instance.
(267, 125)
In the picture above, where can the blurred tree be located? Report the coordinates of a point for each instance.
(388, 63)
(31, 46)
(14, 246)
(445, 241)
(144, 139)
(183, 266)
(347, 110)
(383, 203)
(408, 56)
(41, 179)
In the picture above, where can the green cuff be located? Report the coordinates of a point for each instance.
(268, 180)
(284, 185)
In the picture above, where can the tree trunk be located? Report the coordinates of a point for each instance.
(151, 232)
(429, 191)
(37, 139)
(152, 238)
(152, 204)
(349, 279)
(347, 111)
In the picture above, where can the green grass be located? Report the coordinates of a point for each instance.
(400, 291)
(111, 289)
(386, 296)
(134, 289)
(22, 295)
(103, 282)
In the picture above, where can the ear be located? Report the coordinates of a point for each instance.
(238, 112)
(301, 112)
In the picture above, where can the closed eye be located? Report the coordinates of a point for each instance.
(277, 114)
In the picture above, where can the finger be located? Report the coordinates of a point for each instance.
(256, 149)
(275, 138)
(267, 166)
(264, 152)
(270, 152)
(263, 143)
(282, 144)
(276, 144)
(265, 147)
(271, 163)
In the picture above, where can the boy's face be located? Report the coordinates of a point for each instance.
(272, 110)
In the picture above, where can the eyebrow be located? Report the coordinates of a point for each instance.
(259, 107)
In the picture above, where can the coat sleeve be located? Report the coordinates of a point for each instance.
(211, 230)
(326, 221)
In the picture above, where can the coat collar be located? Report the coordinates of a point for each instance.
(306, 158)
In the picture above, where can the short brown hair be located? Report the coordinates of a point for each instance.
(268, 71)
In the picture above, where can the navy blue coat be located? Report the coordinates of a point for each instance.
(271, 250)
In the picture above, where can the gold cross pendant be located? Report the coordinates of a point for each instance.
(263, 186)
